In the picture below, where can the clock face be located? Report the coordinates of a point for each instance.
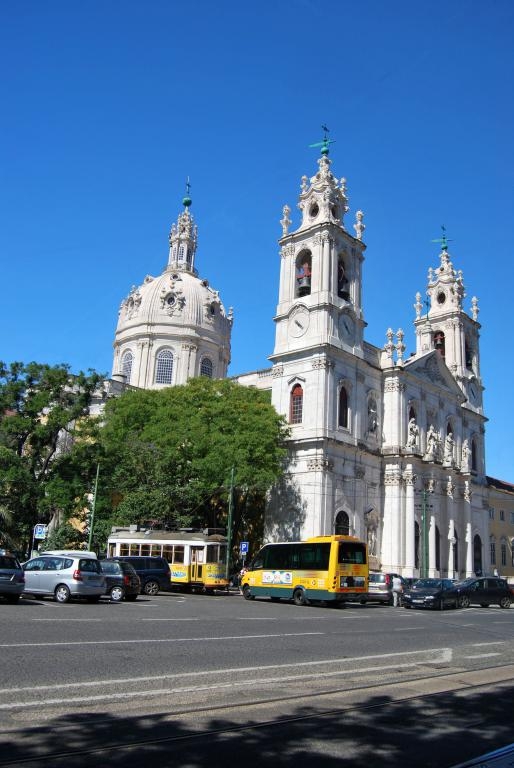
(346, 327)
(298, 323)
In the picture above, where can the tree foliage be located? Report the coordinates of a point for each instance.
(44, 469)
(169, 454)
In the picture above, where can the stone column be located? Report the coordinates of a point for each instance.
(409, 558)
(390, 556)
(432, 569)
(451, 527)
(469, 528)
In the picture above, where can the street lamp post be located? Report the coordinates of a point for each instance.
(93, 507)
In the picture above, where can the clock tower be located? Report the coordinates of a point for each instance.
(447, 328)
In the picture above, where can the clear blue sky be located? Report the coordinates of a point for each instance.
(108, 106)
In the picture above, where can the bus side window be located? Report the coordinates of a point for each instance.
(257, 564)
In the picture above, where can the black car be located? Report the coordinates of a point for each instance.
(12, 577)
(121, 579)
(154, 572)
(484, 591)
(431, 593)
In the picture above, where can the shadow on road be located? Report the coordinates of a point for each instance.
(433, 732)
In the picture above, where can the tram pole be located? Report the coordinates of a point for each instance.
(93, 507)
(229, 523)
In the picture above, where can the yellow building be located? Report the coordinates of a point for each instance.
(501, 527)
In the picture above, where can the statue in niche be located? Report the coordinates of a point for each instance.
(372, 416)
(432, 442)
(448, 448)
(412, 433)
(372, 541)
(465, 456)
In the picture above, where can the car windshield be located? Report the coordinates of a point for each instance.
(428, 584)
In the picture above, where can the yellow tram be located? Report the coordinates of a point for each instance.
(197, 559)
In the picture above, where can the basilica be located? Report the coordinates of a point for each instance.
(384, 447)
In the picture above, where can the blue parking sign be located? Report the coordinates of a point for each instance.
(40, 531)
(243, 547)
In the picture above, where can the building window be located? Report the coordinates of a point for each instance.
(206, 368)
(343, 408)
(303, 273)
(342, 526)
(126, 365)
(439, 342)
(503, 552)
(492, 551)
(491, 513)
(164, 367)
(296, 405)
(502, 515)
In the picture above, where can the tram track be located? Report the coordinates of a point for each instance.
(403, 690)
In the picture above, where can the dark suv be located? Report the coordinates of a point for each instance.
(154, 572)
(484, 591)
(12, 578)
(121, 580)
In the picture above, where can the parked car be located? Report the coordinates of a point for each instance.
(12, 578)
(431, 593)
(380, 588)
(121, 580)
(154, 572)
(64, 576)
(484, 591)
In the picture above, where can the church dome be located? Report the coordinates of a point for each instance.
(174, 326)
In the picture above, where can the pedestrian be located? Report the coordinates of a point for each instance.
(241, 575)
(397, 591)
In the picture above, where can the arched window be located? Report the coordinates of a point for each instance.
(164, 367)
(206, 368)
(303, 273)
(343, 408)
(342, 524)
(296, 405)
(342, 280)
(477, 555)
(468, 355)
(126, 365)
(439, 343)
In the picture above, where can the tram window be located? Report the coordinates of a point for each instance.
(112, 550)
(145, 550)
(134, 550)
(156, 550)
(124, 549)
(178, 554)
(167, 552)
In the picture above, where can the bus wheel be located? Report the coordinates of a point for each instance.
(299, 597)
(247, 594)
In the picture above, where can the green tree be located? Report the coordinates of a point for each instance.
(48, 448)
(168, 454)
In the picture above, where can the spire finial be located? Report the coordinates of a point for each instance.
(186, 202)
(325, 144)
(443, 240)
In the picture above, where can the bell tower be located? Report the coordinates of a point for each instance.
(447, 328)
(320, 298)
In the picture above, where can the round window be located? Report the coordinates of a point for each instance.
(170, 301)
(314, 210)
(441, 297)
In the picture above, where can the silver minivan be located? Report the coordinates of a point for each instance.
(64, 575)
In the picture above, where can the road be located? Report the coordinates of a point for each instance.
(194, 680)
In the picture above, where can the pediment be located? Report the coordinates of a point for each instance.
(430, 367)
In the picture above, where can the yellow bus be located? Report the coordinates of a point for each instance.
(197, 559)
(325, 568)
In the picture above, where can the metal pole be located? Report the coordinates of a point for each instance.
(93, 507)
(229, 523)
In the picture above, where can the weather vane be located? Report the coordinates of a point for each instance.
(187, 199)
(443, 240)
(325, 143)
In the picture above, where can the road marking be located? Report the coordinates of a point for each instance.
(441, 655)
(406, 629)
(67, 620)
(482, 656)
(183, 619)
(493, 642)
(163, 640)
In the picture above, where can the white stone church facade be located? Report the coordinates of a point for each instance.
(383, 447)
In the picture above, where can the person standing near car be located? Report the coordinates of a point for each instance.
(397, 591)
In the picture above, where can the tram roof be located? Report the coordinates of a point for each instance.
(151, 534)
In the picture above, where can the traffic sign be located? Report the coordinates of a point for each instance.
(40, 531)
(243, 547)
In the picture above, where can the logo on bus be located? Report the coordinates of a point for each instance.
(277, 577)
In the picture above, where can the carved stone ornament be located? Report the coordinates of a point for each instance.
(359, 225)
(450, 487)
(285, 220)
(320, 363)
(392, 476)
(189, 347)
(467, 492)
(287, 250)
(319, 463)
(277, 371)
(359, 471)
(393, 385)
(132, 303)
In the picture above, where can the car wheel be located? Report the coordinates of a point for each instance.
(62, 594)
(116, 594)
(464, 601)
(299, 597)
(151, 588)
(247, 593)
(131, 598)
(505, 602)
(363, 602)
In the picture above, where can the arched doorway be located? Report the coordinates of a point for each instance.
(477, 555)
(342, 524)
